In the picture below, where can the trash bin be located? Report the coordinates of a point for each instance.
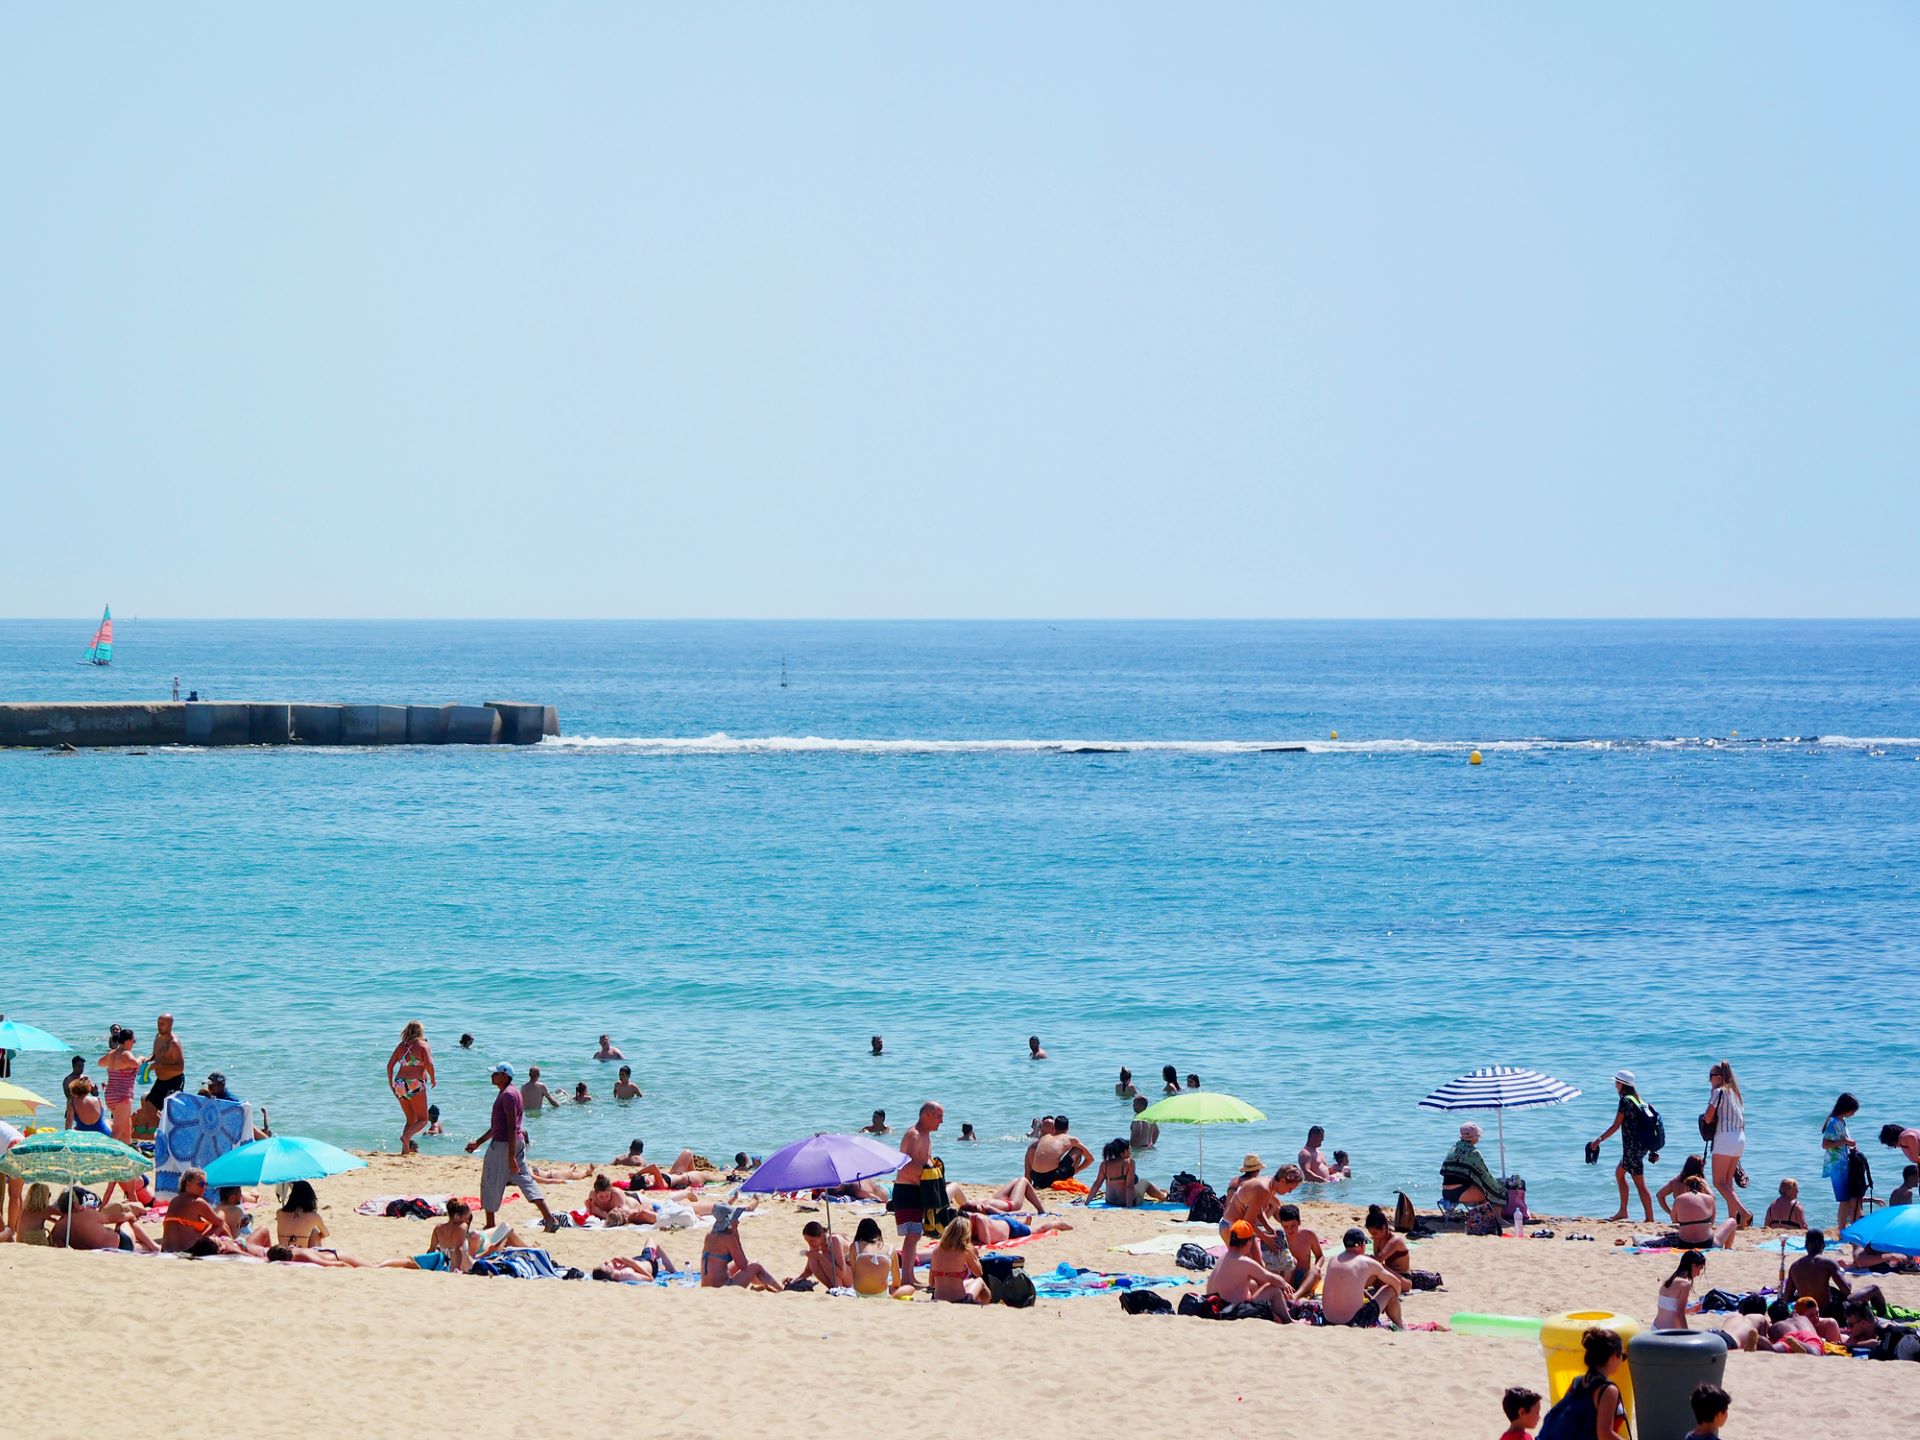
(1666, 1365)
(1560, 1339)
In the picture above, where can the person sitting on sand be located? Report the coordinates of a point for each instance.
(878, 1125)
(872, 1261)
(192, 1226)
(1693, 1212)
(1859, 1326)
(1909, 1186)
(1816, 1276)
(581, 1095)
(1017, 1196)
(1239, 1278)
(534, 1093)
(1464, 1176)
(722, 1260)
(1388, 1248)
(1592, 1405)
(954, 1271)
(617, 1207)
(1250, 1167)
(624, 1088)
(1308, 1260)
(110, 1227)
(608, 1050)
(1689, 1167)
(1670, 1311)
(1034, 1052)
(1125, 1088)
(1785, 1212)
(453, 1247)
(828, 1259)
(239, 1222)
(1056, 1157)
(1358, 1289)
(32, 1214)
(298, 1224)
(1122, 1183)
(1142, 1134)
(1313, 1164)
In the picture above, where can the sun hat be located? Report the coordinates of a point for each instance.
(1249, 1165)
(1624, 1077)
(725, 1217)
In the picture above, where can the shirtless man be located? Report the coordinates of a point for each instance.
(111, 1227)
(1016, 1196)
(1142, 1134)
(1303, 1247)
(1034, 1052)
(1240, 1277)
(999, 1229)
(624, 1088)
(1313, 1164)
(1817, 1277)
(169, 1065)
(1056, 1157)
(608, 1050)
(1358, 1289)
(192, 1226)
(908, 1217)
(878, 1125)
(534, 1093)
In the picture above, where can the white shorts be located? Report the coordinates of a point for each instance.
(1732, 1149)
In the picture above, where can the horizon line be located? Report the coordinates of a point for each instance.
(986, 619)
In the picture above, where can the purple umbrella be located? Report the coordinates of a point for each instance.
(823, 1162)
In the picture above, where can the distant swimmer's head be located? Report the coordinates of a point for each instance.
(1060, 1125)
(635, 1147)
(966, 1131)
(1193, 1082)
(433, 1113)
(533, 1073)
(1139, 1103)
(466, 1042)
(1033, 1044)
(1315, 1134)
(503, 1075)
(626, 1072)
(1126, 1076)
(878, 1045)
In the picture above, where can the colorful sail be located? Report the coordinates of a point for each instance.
(101, 651)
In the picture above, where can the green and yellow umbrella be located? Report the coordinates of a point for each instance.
(1202, 1108)
(18, 1100)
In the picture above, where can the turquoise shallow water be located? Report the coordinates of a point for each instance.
(958, 834)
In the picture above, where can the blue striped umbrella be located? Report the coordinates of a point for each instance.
(1500, 1088)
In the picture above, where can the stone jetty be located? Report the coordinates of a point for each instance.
(93, 724)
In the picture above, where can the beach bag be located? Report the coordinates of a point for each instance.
(1426, 1279)
(1203, 1205)
(1515, 1205)
(1483, 1219)
(1649, 1130)
(1574, 1417)
(1718, 1302)
(1001, 1267)
(1896, 1342)
(1204, 1307)
(1145, 1302)
(1193, 1257)
(1405, 1217)
(1016, 1292)
(1182, 1183)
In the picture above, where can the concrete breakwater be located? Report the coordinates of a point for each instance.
(92, 724)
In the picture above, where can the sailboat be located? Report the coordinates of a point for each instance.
(100, 652)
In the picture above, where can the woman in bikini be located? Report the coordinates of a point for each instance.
(872, 1260)
(1117, 1177)
(298, 1225)
(123, 1068)
(409, 1074)
(722, 1260)
(1671, 1311)
(954, 1268)
(1388, 1248)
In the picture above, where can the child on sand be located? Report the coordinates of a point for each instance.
(1710, 1406)
(1522, 1407)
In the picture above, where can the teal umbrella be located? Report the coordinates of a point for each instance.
(279, 1160)
(16, 1036)
(73, 1157)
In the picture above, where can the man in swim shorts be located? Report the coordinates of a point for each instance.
(169, 1064)
(909, 1217)
(1240, 1278)
(1358, 1289)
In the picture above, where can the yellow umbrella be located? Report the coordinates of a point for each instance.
(17, 1100)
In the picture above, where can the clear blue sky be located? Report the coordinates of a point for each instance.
(970, 310)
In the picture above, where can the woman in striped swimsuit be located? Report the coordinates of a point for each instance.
(123, 1068)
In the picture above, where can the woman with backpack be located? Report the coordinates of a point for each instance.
(1636, 1121)
(1591, 1409)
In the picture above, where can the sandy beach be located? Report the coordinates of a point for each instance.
(374, 1353)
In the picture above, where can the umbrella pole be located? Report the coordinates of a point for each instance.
(1502, 1114)
(1202, 1130)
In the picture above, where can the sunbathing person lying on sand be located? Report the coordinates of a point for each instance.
(856, 1190)
(649, 1265)
(454, 1246)
(998, 1229)
(561, 1173)
(328, 1259)
(1016, 1196)
(828, 1260)
(689, 1171)
(624, 1207)
(1116, 1176)
(722, 1260)
(1805, 1332)
(1240, 1278)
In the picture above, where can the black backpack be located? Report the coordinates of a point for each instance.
(1182, 1183)
(1145, 1302)
(1649, 1130)
(1016, 1292)
(1203, 1204)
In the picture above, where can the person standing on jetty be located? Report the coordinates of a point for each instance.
(909, 1216)
(506, 1142)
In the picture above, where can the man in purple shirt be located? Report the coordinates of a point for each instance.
(506, 1158)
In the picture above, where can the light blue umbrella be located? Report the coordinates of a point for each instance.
(1894, 1230)
(278, 1160)
(17, 1036)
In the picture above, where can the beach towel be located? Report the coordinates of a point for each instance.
(1070, 1282)
(196, 1130)
(1145, 1205)
(521, 1265)
(1168, 1244)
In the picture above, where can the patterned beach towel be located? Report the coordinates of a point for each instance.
(196, 1130)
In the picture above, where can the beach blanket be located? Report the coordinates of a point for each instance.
(196, 1130)
(1144, 1205)
(1168, 1244)
(519, 1265)
(1070, 1282)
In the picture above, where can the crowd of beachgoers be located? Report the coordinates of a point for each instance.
(1261, 1261)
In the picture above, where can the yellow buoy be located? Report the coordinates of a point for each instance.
(1474, 758)
(1333, 734)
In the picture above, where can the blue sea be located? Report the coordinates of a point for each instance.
(1688, 841)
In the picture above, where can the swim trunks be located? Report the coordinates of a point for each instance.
(1367, 1316)
(1017, 1229)
(909, 1217)
(157, 1096)
(432, 1260)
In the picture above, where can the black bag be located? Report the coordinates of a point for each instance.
(1205, 1307)
(1001, 1267)
(1193, 1257)
(1405, 1217)
(1182, 1183)
(1896, 1342)
(1649, 1130)
(1145, 1302)
(1015, 1292)
(1718, 1302)
(1426, 1279)
(1203, 1204)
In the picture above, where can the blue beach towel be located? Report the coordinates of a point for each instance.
(1069, 1282)
(196, 1130)
(518, 1265)
(1146, 1205)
